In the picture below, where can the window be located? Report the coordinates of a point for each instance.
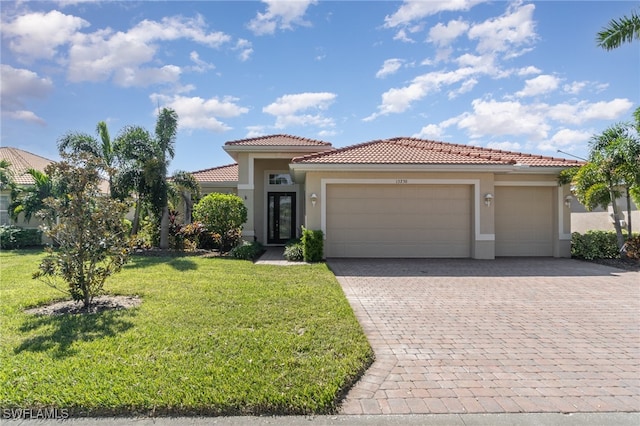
(280, 179)
(4, 210)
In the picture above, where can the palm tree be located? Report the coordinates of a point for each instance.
(623, 30)
(136, 152)
(165, 137)
(104, 149)
(184, 187)
(30, 200)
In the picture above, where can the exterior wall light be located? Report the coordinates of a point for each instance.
(314, 199)
(487, 199)
(567, 201)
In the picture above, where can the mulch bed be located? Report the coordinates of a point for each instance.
(100, 304)
(626, 263)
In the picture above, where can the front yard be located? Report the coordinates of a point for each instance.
(212, 336)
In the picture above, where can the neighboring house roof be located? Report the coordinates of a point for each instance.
(278, 140)
(21, 161)
(228, 173)
(418, 151)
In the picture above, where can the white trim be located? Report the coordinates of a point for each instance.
(561, 234)
(338, 181)
(245, 186)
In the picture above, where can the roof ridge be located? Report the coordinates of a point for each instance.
(477, 150)
(214, 168)
(279, 135)
(335, 150)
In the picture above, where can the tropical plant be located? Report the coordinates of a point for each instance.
(223, 215)
(7, 179)
(618, 31)
(104, 149)
(165, 137)
(29, 200)
(183, 187)
(613, 169)
(90, 232)
(137, 152)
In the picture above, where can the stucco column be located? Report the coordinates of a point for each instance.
(246, 192)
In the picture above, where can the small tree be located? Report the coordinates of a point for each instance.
(90, 233)
(222, 214)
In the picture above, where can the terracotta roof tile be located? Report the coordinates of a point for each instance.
(419, 151)
(278, 140)
(21, 161)
(228, 173)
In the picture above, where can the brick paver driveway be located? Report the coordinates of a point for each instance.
(510, 335)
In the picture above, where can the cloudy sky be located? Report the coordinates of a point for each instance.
(524, 75)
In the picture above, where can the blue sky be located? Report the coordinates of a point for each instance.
(523, 76)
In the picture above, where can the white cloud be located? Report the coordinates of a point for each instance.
(397, 100)
(122, 55)
(289, 109)
(505, 146)
(513, 29)
(413, 10)
(431, 131)
(566, 139)
(281, 15)
(390, 66)
(198, 113)
(493, 118)
(443, 35)
(539, 85)
(246, 49)
(19, 85)
(584, 111)
(575, 87)
(200, 65)
(38, 35)
(528, 71)
(29, 116)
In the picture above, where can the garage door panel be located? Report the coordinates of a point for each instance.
(398, 221)
(524, 221)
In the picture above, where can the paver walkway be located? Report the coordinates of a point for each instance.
(502, 336)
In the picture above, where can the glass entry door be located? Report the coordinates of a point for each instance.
(281, 214)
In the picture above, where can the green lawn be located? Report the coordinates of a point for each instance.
(212, 336)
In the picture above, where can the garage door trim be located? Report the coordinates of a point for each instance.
(402, 181)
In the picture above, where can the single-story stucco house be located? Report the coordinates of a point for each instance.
(400, 197)
(20, 162)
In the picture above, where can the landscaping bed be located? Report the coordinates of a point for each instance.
(210, 336)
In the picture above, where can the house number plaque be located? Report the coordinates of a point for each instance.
(401, 181)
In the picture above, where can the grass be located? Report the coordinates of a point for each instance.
(212, 337)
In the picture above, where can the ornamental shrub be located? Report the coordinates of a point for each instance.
(90, 233)
(247, 251)
(293, 251)
(632, 247)
(224, 215)
(312, 245)
(14, 237)
(594, 245)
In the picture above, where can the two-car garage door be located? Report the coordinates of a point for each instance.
(382, 220)
(385, 220)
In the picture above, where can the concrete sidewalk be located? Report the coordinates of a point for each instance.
(523, 419)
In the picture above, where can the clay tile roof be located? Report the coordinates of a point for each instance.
(419, 151)
(228, 173)
(278, 140)
(21, 161)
